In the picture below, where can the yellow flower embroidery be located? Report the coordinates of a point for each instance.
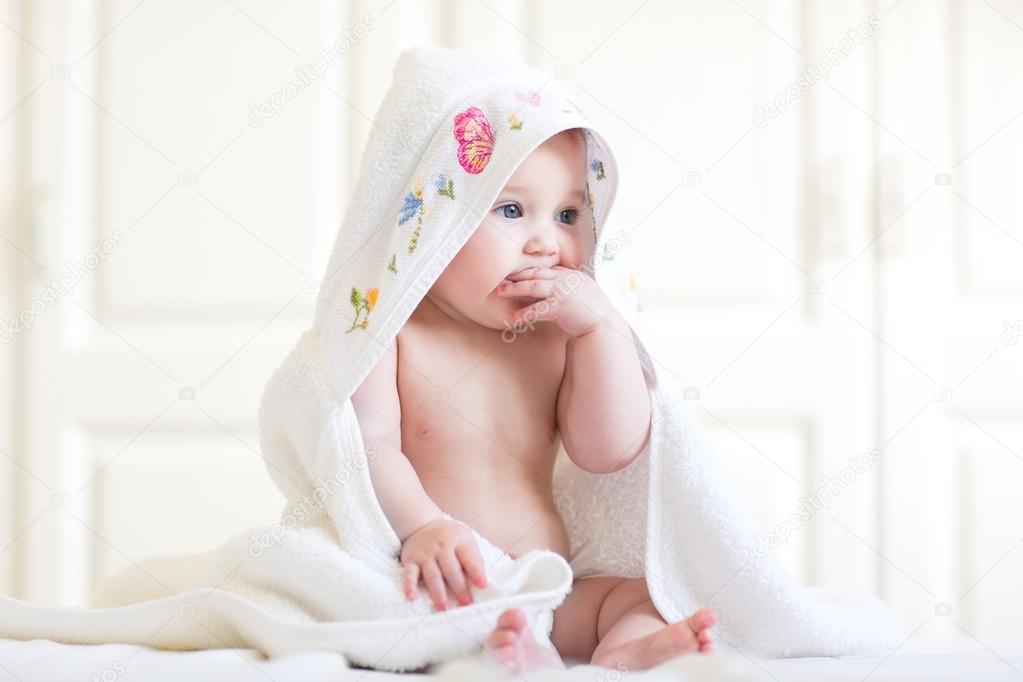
(362, 303)
(514, 122)
(634, 288)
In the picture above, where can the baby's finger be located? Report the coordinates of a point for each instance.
(435, 584)
(537, 288)
(410, 573)
(453, 575)
(546, 309)
(531, 273)
(472, 561)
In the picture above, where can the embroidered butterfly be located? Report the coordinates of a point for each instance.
(475, 140)
(569, 102)
(529, 97)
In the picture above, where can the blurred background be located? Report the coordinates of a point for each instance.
(823, 203)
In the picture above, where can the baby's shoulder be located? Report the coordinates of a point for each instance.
(417, 325)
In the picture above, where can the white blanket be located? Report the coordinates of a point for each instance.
(451, 130)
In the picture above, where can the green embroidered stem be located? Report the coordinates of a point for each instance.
(448, 191)
(415, 235)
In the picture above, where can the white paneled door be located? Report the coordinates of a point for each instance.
(168, 248)
(951, 274)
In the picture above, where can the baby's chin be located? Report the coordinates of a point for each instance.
(494, 311)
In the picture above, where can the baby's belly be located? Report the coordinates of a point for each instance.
(516, 529)
(501, 489)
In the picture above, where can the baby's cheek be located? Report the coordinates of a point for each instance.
(570, 261)
(469, 286)
(484, 281)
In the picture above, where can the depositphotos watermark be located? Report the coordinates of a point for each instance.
(1012, 332)
(114, 671)
(305, 74)
(64, 285)
(612, 674)
(811, 504)
(263, 539)
(565, 287)
(809, 74)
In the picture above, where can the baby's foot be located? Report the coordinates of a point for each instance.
(686, 636)
(512, 643)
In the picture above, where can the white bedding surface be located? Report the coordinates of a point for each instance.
(42, 660)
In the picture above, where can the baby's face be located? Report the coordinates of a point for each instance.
(537, 220)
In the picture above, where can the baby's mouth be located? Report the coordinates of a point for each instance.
(508, 278)
(511, 299)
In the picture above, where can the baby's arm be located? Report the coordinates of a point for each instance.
(603, 405)
(398, 488)
(434, 549)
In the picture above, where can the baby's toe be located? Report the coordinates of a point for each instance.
(514, 619)
(703, 619)
(500, 638)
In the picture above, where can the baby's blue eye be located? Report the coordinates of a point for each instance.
(569, 215)
(503, 212)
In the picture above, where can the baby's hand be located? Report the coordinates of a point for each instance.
(437, 552)
(571, 298)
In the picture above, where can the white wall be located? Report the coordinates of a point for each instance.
(826, 281)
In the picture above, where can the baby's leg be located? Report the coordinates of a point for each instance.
(574, 632)
(633, 634)
(612, 622)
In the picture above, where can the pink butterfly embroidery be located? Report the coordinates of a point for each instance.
(529, 97)
(475, 140)
(578, 108)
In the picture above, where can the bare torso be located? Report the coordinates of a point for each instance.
(479, 425)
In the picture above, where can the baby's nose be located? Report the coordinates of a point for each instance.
(545, 245)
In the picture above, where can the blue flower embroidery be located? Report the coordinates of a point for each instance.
(413, 202)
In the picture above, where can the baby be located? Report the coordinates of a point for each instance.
(467, 424)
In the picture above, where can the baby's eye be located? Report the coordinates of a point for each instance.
(515, 212)
(569, 215)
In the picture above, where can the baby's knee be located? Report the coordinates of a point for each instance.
(622, 598)
(631, 590)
